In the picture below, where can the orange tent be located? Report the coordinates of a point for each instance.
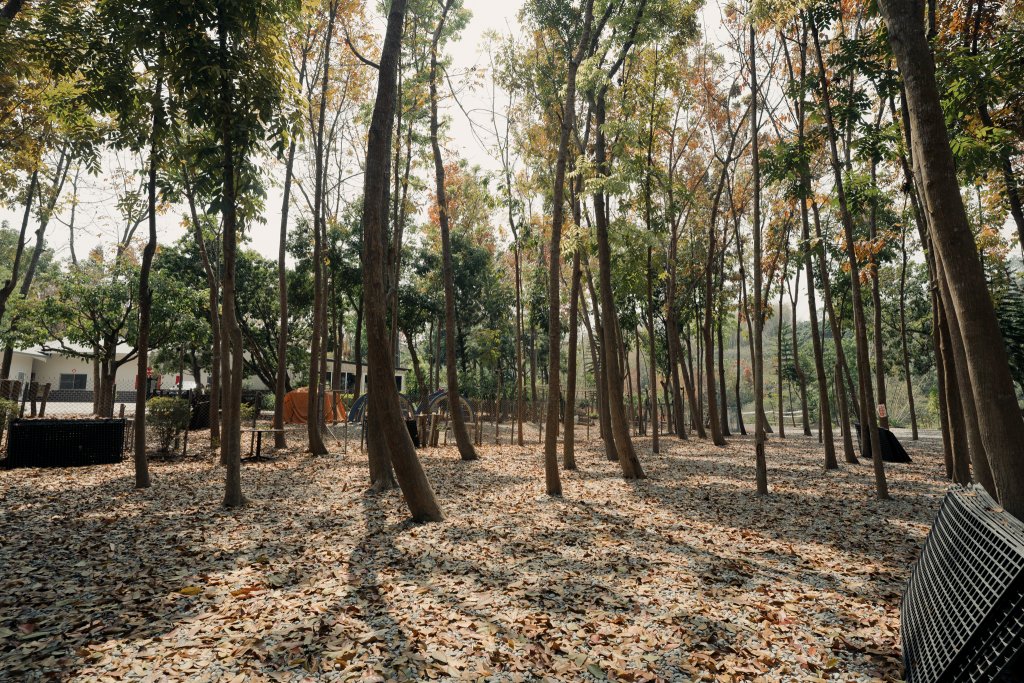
(296, 405)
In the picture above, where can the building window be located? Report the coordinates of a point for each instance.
(72, 381)
(398, 382)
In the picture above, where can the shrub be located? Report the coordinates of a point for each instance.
(8, 411)
(169, 417)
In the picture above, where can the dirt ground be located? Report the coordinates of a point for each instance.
(686, 575)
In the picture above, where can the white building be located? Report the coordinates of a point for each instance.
(71, 378)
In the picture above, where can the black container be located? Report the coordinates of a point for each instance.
(962, 617)
(65, 443)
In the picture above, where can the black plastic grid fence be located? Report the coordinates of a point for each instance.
(963, 612)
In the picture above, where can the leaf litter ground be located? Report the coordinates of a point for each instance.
(684, 576)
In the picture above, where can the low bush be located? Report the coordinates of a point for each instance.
(168, 417)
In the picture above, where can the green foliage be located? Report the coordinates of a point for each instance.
(8, 411)
(168, 416)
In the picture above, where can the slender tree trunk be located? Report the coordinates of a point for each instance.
(569, 442)
(383, 394)
(849, 454)
(724, 407)
(552, 481)
(281, 379)
(231, 437)
(867, 412)
(214, 300)
(824, 409)
(462, 438)
(759, 432)
(314, 414)
(652, 349)
(142, 480)
(778, 350)
(603, 381)
(903, 338)
(12, 281)
(876, 308)
(421, 382)
(358, 389)
(800, 374)
(739, 375)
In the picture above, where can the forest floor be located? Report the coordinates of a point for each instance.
(684, 576)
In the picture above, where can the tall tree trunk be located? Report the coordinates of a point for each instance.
(602, 379)
(675, 351)
(849, 454)
(800, 374)
(551, 478)
(213, 285)
(739, 374)
(281, 379)
(707, 329)
(383, 394)
(1000, 421)
(778, 349)
(462, 438)
(145, 293)
(652, 350)
(724, 407)
(759, 431)
(314, 414)
(520, 367)
(824, 409)
(876, 306)
(867, 412)
(569, 442)
(628, 461)
(232, 359)
(903, 337)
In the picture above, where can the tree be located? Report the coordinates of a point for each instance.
(971, 309)
(465, 444)
(395, 443)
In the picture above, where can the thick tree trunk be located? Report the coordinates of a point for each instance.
(383, 394)
(628, 461)
(1002, 427)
